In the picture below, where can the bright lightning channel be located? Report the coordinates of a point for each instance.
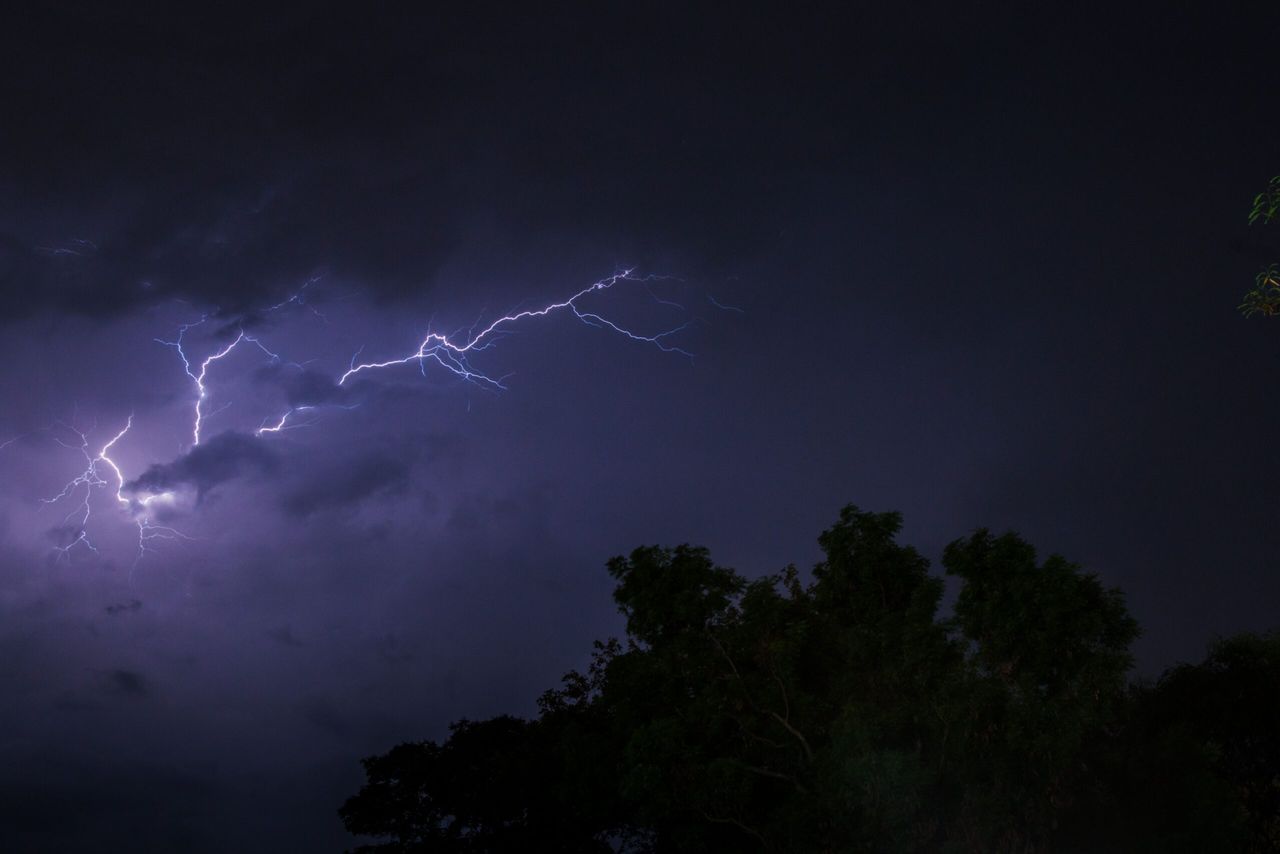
(202, 393)
(92, 477)
(435, 347)
(452, 356)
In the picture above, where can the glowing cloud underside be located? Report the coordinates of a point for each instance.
(451, 353)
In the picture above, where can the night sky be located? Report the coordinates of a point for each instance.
(980, 267)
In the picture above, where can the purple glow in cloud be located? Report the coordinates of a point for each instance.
(138, 497)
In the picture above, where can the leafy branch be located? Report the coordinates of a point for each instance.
(1264, 298)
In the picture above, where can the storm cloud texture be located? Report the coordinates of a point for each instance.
(980, 267)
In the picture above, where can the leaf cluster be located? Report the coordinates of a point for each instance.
(1264, 297)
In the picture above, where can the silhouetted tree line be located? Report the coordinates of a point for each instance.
(844, 714)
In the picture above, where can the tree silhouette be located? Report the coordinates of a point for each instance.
(1264, 297)
(843, 713)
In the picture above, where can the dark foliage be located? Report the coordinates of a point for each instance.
(844, 714)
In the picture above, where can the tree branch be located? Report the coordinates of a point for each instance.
(808, 751)
(764, 843)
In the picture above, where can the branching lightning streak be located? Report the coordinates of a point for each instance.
(296, 299)
(722, 306)
(201, 392)
(449, 352)
(279, 425)
(89, 478)
(452, 356)
(92, 477)
(282, 424)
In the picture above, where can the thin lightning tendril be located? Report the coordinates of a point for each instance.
(202, 393)
(92, 477)
(452, 356)
(443, 350)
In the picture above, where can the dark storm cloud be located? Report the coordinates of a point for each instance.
(220, 459)
(233, 251)
(63, 535)
(393, 649)
(140, 174)
(127, 683)
(123, 607)
(204, 192)
(350, 483)
(284, 636)
(152, 166)
(326, 717)
(306, 387)
(70, 702)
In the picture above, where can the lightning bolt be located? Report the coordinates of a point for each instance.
(450, 352)
(202, 393)
(722, 306)
(280, 422)
(453, 356)
(89, 478)
(96, 466)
